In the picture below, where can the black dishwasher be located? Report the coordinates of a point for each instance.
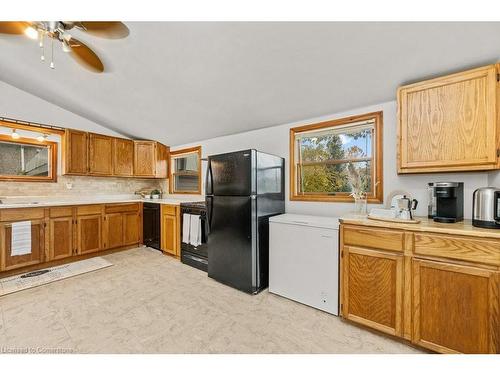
(151, 225)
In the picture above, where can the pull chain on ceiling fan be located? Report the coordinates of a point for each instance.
(58, 31)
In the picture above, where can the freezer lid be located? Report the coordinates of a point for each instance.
(307, 220)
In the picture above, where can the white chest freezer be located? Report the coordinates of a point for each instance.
(304, 260)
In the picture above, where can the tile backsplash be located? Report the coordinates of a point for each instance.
(81, 185)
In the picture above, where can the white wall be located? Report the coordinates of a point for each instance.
(275, 140)
(20, 105)
(494, 179)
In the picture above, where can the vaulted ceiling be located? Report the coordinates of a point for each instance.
(182, 82)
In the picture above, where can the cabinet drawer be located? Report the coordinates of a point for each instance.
(123, 207)
(168, 209)
(19, 214)
(61, 211)
(373, 238)
(460, 248)
(89, 210)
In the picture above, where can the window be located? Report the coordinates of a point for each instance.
(332, 159)
(185, 171)
(26, 159)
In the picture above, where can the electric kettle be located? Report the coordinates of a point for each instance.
(486, 208)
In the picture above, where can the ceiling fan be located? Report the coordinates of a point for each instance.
(59, 31)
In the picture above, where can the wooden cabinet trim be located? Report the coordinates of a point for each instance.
(62, 211)
(89, 209)
(20, 214)
(458, 248)
(121, 207)
(383, 239)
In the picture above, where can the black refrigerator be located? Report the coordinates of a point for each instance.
(243, 190)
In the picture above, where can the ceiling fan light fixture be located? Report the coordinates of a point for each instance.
(65, 46)
(31, 32)
(15, 134)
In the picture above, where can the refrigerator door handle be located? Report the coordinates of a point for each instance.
(210, 179)
(210, 206)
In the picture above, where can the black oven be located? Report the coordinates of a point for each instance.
(195, 256)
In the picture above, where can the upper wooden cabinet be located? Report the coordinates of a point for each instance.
(450, 123)
(101, 155)
(150, 159)
(75, 158)
(123, 157)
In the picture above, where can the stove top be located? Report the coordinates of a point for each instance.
(194, 204)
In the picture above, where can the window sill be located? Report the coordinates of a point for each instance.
(331, 199)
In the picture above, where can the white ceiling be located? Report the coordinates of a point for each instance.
(183, 82)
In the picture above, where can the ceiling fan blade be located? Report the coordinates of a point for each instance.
(13, 27)
(85, 56)
(104, 29)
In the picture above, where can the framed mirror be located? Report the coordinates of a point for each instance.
(26, 159)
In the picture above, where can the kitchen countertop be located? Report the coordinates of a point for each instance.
(463, 228)
(25, 202)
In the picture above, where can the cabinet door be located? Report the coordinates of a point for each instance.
(144, 158)
(456, 308)
(75, 152)
(9, 261)
(161, 159)
(372, 288)
(89, 231)
(132, 228)
(169, 229)
(113, 230)
(123, 157)
(449, 123)
(61, 243)
(101, 156)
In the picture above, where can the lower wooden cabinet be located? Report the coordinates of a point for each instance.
(373, 288)
(455, 308)
(62, 232)
(36, 256)
(132, 228)
(439, 292)
(113, 230)
(61, 239)
(89, 233)
(170, 229)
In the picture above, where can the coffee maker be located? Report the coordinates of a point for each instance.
(449, 201)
